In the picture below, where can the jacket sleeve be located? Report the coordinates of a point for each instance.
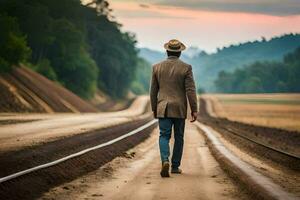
(191, 89)
(154, 87)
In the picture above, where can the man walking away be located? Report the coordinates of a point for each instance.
(171, 85)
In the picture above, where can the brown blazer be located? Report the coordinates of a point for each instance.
(171, 84)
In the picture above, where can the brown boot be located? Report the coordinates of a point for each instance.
(165, 169)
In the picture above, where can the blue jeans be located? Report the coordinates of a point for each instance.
(165, 127)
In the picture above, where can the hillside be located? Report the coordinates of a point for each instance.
(207, 66)
(69, 42)
(24, 90)
(263, 77)
(152, 56)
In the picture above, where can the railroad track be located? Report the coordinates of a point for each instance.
(254, 140)
(207, 117)
(277, 150)
(39, 178)
(80, 153)
(31, 182)
(260, 186)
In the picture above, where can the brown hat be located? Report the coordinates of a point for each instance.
(174, 45)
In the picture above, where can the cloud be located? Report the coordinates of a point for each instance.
(207, 28)
(146, 14)
(144, 5)
(269, 7)
(139, 10)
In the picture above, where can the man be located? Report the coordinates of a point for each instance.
(171, 85)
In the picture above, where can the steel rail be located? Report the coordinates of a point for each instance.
(55, 162)
(260, 143)
(262, 185)
(209, 110)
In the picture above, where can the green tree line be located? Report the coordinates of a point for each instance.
(142, 77)
(79, 46)
(206, 66)
(263, 76)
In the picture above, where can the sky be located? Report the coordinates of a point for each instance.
(206, 24)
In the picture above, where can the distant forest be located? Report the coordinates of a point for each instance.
(226, 60)
(79, 46)
(263, 77)
(208, 66)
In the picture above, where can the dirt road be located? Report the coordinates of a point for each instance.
(45, 128)
(138, 177)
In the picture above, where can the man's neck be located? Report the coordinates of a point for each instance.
(172, 57)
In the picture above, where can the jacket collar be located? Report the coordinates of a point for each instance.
(172, 57)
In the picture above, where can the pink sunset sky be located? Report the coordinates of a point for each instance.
(206, 24)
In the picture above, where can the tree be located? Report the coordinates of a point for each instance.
(102, 7)
(115, 55)
(141, 82)
(44, 67)
(13, 44)
(263, 76)
(200, 90)
(71, 62)
(292, 62)
(224, 82)
(78, 45)
(252, 85)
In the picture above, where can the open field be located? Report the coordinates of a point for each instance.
(271, 110)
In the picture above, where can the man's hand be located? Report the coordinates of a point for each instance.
(194, 116)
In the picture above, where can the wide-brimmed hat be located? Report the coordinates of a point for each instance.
(174, 45)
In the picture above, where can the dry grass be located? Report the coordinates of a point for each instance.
(271, 110)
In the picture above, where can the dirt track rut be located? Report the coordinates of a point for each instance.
(138, 178)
